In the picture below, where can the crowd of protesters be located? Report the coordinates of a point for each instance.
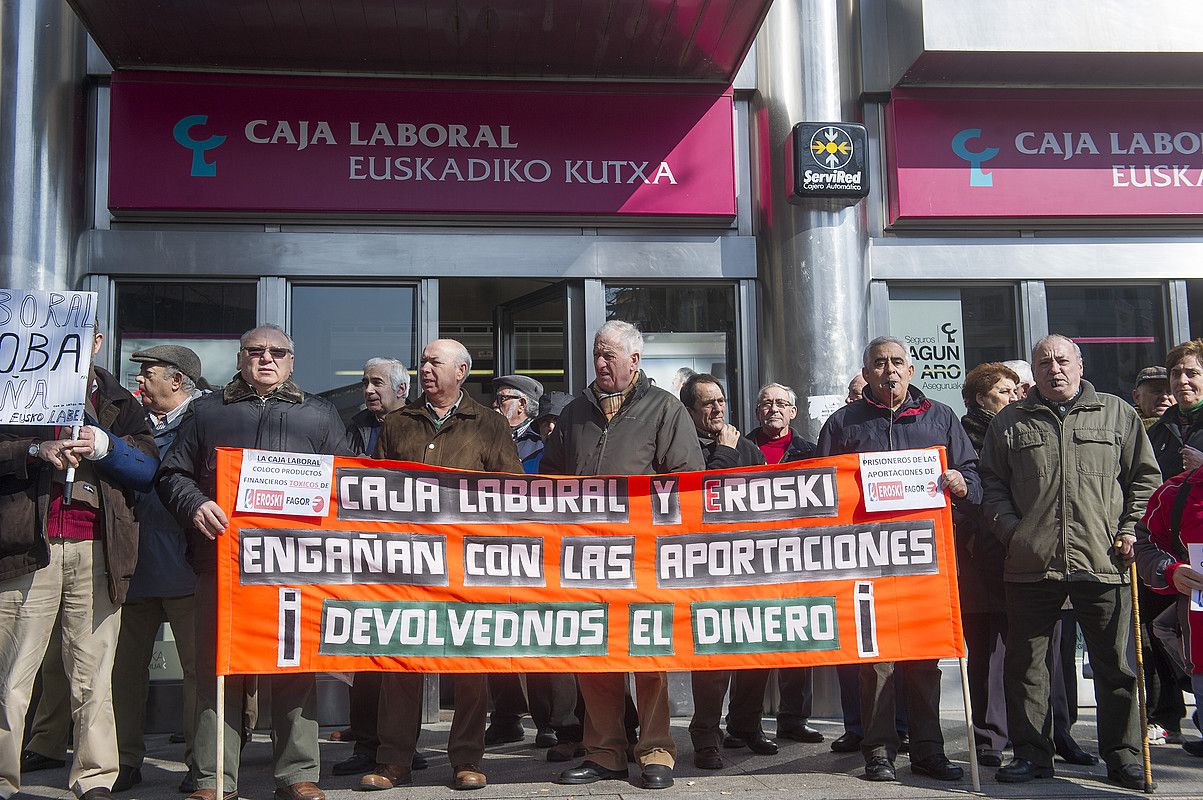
(1049, 480)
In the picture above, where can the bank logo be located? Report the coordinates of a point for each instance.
(183, 137)
(265, 500)
(975, 158)
(831, 147)
(882, 491)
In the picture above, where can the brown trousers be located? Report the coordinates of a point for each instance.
(400, 719)
(605, 705)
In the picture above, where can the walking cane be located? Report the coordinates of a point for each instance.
(1140, 681)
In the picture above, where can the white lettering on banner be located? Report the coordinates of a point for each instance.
(45, 341)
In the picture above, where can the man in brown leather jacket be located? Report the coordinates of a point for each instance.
(447, 428)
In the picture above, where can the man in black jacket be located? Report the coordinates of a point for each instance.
(893, 415)
(260, 408)
(723, 447)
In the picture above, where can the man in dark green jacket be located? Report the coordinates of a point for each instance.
(1067, 473)
(622, 425)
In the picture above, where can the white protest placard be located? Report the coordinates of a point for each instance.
(901, 479)
(1195, 553)
(293, 484)
(45, 353)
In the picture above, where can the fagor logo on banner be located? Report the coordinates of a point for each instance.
(975, 157)
(183, 136)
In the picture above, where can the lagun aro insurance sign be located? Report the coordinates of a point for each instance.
(425, 569)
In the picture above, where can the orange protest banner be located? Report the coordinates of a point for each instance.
(419, 568)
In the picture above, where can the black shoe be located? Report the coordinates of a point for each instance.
(504, 733)
(127, 778)
(589, 772)
(357, 764)
(1129, 776)
(989, 758)
(939, 767)
(879, 768)
(188, 784)
(1020, 770)
(32, 762)
(1193, 749)
(657, 776)
(757, 742)
(708, 758)
(1072, 753)
(799, 733)
(419, 761)
(546, 737)
(733, 742)
(848, 743)
(904, 743)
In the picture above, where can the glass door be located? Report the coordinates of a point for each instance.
(540, 335)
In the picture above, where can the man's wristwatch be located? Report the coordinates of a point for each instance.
(34, 448)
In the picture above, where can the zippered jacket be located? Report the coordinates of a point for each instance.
(285, 420)
(1059, 492)
(651, 434)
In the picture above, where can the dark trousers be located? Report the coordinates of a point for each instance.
(1063, 668)
(849, 680)
(985, 639)
(365, 705)
(1104, 613)
(550, 697)
(400, 718)
(1164, 697)
(509, 703)
(797, 696)
(919, 684)
(746, 707)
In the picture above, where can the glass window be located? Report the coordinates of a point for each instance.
(206, 317)
(686, 329)
(337, 328)
(950, 330)
(1121, 329)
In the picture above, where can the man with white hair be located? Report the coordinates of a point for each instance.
(385, 386)
(1068, 472)
(1024, 370)
(622, 425)
(444, 426)
(894, 415)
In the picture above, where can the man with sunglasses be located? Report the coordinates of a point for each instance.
(262, 408)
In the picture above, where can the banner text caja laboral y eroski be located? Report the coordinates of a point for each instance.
(424, 569)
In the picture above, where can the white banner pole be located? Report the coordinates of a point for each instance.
(221, 736)
(974, 773)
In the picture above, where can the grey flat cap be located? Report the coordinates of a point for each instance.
(528, 386)
(178, 356)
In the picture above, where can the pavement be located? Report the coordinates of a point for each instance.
(799, 771)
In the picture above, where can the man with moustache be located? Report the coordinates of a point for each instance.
(894, 415)
(1068, 472)
(261, 407)
(447, 428)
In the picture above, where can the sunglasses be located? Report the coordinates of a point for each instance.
(276, 352)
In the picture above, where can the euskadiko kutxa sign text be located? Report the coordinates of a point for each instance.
(425, 569)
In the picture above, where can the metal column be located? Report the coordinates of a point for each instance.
(41, 143)
(813, 275)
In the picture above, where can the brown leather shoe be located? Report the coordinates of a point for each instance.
(301, 790)
(385, 776)
(211, 794)
(469, 776)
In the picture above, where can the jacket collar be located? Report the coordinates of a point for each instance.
(238, 389)
(1087, 399)
(642, 385)
(468, 408)
(915, 404)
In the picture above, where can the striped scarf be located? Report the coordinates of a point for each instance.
(611, 402)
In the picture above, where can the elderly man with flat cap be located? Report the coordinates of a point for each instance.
(164, 585)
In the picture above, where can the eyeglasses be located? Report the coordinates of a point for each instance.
(502, 398)
(277, 353)
(774, 403)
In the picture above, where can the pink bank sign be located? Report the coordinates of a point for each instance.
(1014, 155)
(250, 145)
